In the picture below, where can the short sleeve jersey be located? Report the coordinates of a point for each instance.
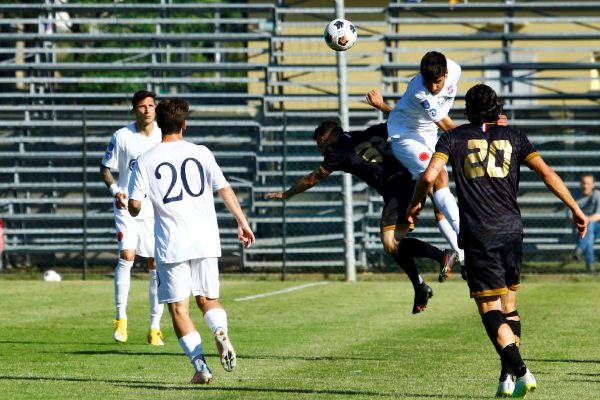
(418, 110)
(589, 204)
(125, 146)
(486, 169)
(365, 154)
(180, 178)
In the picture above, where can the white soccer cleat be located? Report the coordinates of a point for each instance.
(524, 385)
(505, 387)
(228, 359)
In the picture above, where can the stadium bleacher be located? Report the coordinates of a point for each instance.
(259, 79)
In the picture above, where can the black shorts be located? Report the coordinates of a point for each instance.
(493, 263)
(399, 192)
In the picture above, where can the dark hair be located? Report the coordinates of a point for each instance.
(326, 127)
(170, 114)
(481, 105)
(141, 95)
(433, 65)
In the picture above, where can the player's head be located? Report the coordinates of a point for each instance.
(481, 105)
(327, 132)
(434, 69)
(143, 104)
(171, 114)
(587, 184)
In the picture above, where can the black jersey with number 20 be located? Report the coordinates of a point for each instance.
(485, 162)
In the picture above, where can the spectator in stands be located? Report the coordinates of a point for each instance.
(413, 128)
(179, 178)
(486, 160)
(134, 235)
(367, 155)
(589, 201)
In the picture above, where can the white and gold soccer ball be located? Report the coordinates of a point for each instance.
(51, 276)
(340, 34)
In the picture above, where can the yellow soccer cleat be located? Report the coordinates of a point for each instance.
(155, 337)
(120, 330)
(524, 385)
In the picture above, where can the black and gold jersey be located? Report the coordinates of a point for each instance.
(365, 154)
(486, 167)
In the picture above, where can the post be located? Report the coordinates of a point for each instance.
(283, 203)
(84, 207)
(345, 121)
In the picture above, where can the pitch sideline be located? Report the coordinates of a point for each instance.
(276, 292)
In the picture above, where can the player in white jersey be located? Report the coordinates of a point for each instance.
(180, 179)
(135, 235)
(413, 127)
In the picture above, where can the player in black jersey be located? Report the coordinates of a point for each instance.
(367, 155)
(486, 161)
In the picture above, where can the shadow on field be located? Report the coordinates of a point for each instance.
(568, 361)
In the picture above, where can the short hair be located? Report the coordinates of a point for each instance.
(433, 65)
(481, 105)
(141, 95)
(170, 114)
(326, 127)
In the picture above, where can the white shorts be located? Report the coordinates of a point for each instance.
(413, 152)
(199, 277)
(135, 234)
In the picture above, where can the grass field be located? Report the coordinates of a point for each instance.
(330, 341)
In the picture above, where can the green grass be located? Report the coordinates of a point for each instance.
(336, 341)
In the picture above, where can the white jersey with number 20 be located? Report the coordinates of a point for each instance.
(180, 178)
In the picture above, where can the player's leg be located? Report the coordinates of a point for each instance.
(206, 290)
(452, 239)
(508, 302)
(127, 236)
(146, 249)
(174, 290)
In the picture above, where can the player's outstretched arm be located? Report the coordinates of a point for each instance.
(375, 100)
(301, 185)
(245, 234)
(446, 123)
(558, 187)
(423, 187)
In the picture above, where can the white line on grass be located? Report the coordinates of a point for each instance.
(290, 289)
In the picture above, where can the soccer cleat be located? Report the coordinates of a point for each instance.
(120, 330)
(524, 385)
(155, 337)
(422, 294)
(505, 387)
(449, 259)
(202, 377)
(225, 348)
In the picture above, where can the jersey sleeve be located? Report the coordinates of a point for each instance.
(218, 180)
(526, 150)
(330, 162)
(442, 148)
(111, 155)
(138, 183)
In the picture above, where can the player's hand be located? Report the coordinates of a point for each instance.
(502, 120)
(412, 213)
(245, 235)
(375, 99)
(121, 201)
(581, 222)
(275, 195)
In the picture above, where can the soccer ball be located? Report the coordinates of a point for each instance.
(51, 276)
(340, 34)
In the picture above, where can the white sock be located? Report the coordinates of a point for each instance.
(192, 347)
(156, 308)
(122, 283)
(216, 318)
(449, 234)
(445, 202)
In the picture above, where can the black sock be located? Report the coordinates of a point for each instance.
(511, 356)
(404, 258)
(420, 249)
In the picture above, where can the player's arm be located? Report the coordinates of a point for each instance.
(301, 185)
(245, 234)
(558, 187)
(446, 123)
(423, 187)
(375, 100)
(109, 181)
